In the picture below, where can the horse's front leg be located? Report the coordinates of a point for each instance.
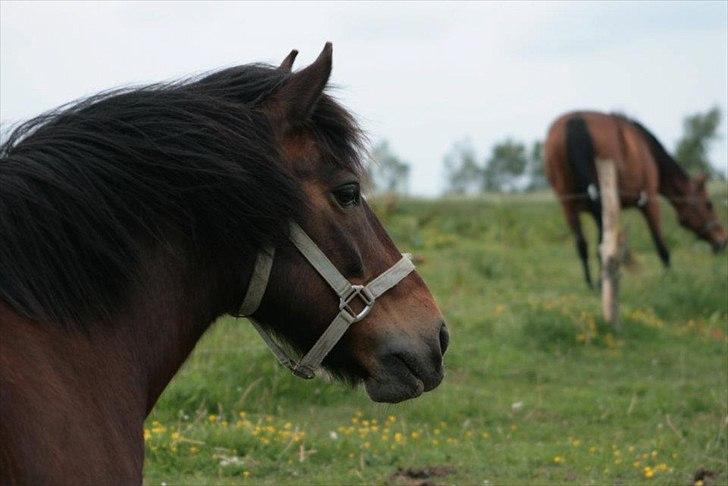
(651, 211)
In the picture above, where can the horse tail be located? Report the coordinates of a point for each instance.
(580, 155)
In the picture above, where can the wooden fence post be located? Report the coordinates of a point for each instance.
(610, 248)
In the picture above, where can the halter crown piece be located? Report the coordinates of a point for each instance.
(345, 290)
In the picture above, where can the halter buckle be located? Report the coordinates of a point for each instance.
(364, 295)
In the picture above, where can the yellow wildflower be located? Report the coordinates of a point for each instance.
(157, 427)
(559, 459)
(648, 472)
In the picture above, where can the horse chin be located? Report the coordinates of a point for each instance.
(400, 385)
(393, 391)
(719, 246)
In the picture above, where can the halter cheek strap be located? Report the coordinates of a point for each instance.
(345, 290)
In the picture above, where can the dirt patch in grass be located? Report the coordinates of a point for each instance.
(706, 476)
(413, 476)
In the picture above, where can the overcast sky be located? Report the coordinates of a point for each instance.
(422, 75)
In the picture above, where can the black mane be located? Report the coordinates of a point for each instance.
(88, 189)
(666, 164)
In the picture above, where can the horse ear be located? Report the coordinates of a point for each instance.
(287, 64)
(299, 95)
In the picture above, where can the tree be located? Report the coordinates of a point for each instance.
(536, 173)
(387, 173)
(699, 130)
(461, 169)
(505, 166)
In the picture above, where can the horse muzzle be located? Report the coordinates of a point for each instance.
(406, 368)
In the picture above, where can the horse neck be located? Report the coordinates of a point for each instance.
(174, 308)
(133, 356)
(93, 387)
(674, 185)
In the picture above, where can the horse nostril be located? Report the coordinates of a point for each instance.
(444, 338)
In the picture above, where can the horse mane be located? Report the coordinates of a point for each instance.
(666, 164)
(88, 189)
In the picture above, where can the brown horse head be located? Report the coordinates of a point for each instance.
(133, 219)
(397, 350)
(696, 213)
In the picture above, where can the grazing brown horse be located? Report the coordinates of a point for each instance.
(131, 220)
(644, 170)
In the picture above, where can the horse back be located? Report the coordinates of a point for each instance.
(576, 139)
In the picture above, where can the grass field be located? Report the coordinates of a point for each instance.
(537, 389)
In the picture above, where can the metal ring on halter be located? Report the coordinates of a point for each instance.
(366, 297)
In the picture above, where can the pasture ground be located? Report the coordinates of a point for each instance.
(538, 390)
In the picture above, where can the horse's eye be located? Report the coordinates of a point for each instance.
(347, 195)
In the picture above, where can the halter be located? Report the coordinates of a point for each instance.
(345, 290)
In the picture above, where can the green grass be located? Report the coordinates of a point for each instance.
(537, 389)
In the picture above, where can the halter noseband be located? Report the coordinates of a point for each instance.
(345, 290)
